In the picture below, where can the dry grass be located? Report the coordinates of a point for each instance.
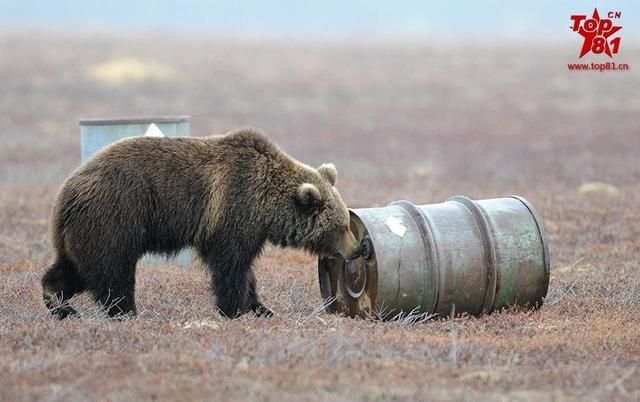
(420, 122)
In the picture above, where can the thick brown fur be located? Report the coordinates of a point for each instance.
(225, 196)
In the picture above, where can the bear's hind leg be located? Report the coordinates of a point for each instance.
(118, 298)
(59, 284)
(117, 294)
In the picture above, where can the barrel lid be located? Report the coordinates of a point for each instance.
(134, 120)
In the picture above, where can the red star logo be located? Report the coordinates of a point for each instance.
(590, 36)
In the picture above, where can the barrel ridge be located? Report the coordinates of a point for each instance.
(489, 249)
(426, 232)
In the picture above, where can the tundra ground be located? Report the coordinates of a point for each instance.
(415, 121)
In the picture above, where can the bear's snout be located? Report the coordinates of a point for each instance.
(352, 248)
(355, 254)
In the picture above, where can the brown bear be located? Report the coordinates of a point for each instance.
(224, 196)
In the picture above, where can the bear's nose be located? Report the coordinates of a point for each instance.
(365, 248)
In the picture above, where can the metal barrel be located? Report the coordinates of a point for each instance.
(95, 134)
(459, 256)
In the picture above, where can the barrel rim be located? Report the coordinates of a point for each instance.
(543, 235)
(325, 282)
(134, 120)
(370, 280)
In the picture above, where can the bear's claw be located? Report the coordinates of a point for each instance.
(63, 312)
(260, 310)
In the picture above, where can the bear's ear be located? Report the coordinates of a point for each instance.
(308, 194)
(329, 172)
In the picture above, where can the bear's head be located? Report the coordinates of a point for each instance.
(318, 219)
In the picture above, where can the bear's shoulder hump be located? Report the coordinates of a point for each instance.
(250, 137)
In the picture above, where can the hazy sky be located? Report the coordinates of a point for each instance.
(545, 19)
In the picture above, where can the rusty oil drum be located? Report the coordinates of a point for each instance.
(459, 256)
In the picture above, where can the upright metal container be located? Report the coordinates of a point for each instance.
(461, 255)
(95, 134)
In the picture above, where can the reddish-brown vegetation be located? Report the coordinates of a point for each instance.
(415, 121)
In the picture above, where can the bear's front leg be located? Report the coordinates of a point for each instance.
(253, 302)
(231, 278)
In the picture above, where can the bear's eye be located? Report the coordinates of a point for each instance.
(313, 210)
